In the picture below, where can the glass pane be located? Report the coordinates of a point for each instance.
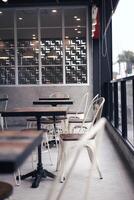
(119, 107)
(28, 47)
(51, 18)
(27, 18)
(7, 52)
(51, 46)
(122, 34)
(75, 45)
(75, 17)
(130, 114)
(6, 16)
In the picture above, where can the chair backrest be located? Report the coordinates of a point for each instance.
(59, 95)
(95, 110)
(96, 131)
(84, 101)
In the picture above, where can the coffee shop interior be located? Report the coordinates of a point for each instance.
(66, 100)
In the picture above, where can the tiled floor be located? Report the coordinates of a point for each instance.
(116, 183)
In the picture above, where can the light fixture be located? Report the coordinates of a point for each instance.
(28, 53)
(20, 18)
(3, 55)
(52, 54)
(78, 19)
(1, 12)
(5, 1)
(54, 11)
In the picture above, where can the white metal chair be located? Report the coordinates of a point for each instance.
(45, 142)
(68, 141)
(61, 121)
(96, 132)
(3, 107)
(59, 95)
(78, 116)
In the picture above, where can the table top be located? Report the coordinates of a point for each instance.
(35, 111)
(53, 102)
(16, 146)
(54, 98)
(3, 98)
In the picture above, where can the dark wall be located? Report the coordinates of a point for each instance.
(102, 49)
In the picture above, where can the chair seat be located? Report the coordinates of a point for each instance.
(6, 190)
(58, 118)
(70, 137)
(74, 112)
(77, 120)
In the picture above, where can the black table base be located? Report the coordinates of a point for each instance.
(37, 175)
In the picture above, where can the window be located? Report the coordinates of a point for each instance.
(43, 46)
(75, 46)
(27, 42)
(7, 49)
(123, 32)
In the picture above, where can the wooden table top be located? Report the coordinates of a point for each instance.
(54, 98)
(3, 98)
(53, 102)
(16, 146)
(35, 111)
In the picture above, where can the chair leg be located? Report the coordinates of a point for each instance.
(59, 157)
(90, 153)
(63, 162)
(5, 122)
(98, 169)
(17, 180)
(63, 167)
(1, 123)
(47, 143)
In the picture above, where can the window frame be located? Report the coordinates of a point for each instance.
(38, 9)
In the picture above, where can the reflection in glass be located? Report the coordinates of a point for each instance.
(7, 51)
(119, 107)
(75, 45)
(28, 47)
(122, 33)
(130, 114)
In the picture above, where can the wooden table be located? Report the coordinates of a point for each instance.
(54, 98)
(36, 112)
(53, 102)
(3, 98)
(15, 147)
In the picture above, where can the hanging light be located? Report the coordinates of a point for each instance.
(5, 1)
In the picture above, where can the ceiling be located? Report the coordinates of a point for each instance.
(14, 3)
